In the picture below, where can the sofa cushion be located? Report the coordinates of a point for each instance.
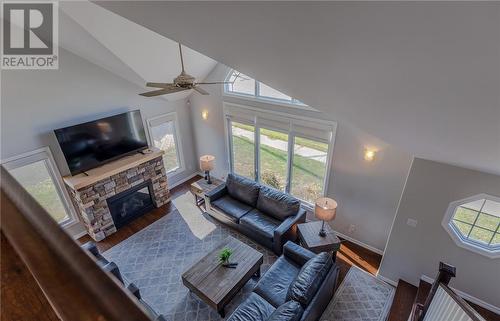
(233, 208)
(289, 311)
(277, 204)
(243, 189)
(260, 223)
(309, 279)
(273, 286)
(254, 308)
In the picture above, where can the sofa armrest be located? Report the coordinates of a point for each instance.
(92, 248)
(297, 253)
(112, 268)
(287, 230)
(217, 192)
(134, 290)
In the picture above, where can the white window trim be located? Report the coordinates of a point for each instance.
(172, 116)
(263, 99)
(45, 154)
(252, 118)
(455, 235)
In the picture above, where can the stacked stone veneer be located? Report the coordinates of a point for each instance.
(90, 202)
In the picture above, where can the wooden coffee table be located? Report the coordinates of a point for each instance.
(217, 285)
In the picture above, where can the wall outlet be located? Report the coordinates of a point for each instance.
(411, 222)
(352, 228)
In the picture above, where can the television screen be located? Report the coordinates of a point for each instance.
(97, 142)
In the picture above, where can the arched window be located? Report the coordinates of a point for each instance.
(243, 85)
(474, 224)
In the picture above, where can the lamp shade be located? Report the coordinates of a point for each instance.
(207, 162)
(325, 209)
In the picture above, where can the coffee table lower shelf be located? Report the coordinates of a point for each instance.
(217, 285)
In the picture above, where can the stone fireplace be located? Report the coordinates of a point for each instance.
(109, 197)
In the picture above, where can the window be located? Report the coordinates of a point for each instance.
(273, 158)
(38, 175)
(163, 135)
(308, 168)
(474, 223)
(289, 153)
(243, 143)
(242, 85)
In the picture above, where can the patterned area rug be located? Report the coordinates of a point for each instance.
(360, 297)
(155, 258)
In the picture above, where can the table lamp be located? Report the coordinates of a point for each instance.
(207, 163)
(325, 209)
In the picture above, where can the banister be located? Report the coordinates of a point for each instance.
(77, 289)
(473, 314)
(446, 272)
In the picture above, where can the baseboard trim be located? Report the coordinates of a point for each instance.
(387, 280)
(366, 246)
(467, 297)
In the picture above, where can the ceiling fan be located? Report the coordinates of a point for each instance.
(182, 82)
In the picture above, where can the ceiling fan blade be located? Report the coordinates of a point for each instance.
(200, 90)
(213, 83)
(163, 92)
(160, 85)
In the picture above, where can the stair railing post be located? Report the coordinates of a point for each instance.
(446, 272)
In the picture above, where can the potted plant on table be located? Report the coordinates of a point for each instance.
(224, 256)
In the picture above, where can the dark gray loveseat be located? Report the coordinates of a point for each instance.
(264, 214)
(112, 268)
(298, 286)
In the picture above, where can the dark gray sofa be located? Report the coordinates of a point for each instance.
(264, 214)
(113, 269)
(298, 286)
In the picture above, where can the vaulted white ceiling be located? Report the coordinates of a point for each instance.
(423, 76)
(125, 48)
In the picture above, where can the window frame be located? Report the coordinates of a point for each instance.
(467, 243)
(254, 116)
(169, 117)
(258, 98)
(45, 154)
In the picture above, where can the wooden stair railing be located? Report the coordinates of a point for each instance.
(446, 272)
(77, 289)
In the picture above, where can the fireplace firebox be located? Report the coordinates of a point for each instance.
(131, 204)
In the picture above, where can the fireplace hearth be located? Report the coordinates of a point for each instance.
(131, 204)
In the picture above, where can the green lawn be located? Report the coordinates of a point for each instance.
(35, 179)
(307, 174)
(485, 225)
(282, 136)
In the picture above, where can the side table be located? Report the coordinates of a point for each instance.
(310, 239)
(201, 187)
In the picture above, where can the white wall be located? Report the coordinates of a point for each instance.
(367, 193)
(421, 75)
(36, 102)
(411, 252)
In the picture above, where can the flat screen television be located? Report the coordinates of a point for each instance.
(94, 143)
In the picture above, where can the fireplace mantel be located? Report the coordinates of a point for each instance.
(90, 193)
(102, 172)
